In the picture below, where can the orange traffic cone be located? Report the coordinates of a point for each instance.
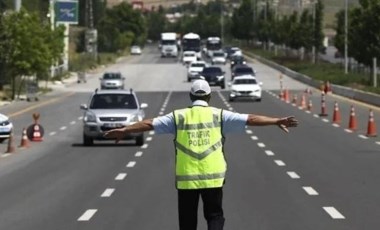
(287, 96)
(36, 133)
(24, 140)
(323, 106)
(336, 114)
(352, 124)
(11, 148)
(371, 130)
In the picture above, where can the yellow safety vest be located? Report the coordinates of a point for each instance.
(200, 161)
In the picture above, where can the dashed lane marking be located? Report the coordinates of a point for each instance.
(335, 214)
(316, 115)
(161, 113)
(63, 128)
(378, 142)
(131, 164)
(279, 162)
(255, 138)
(80, 118)
(363, 137)
(261, 145)
(144, 146)
(108, 192)
(248, 131)
(151, 132)
(87, 215)
(325, 120)
(335, 125)
(5, 155)
(138, 154)
(348, 130)
(293, 175)
(73, 123)
(148, 138)
(269, 153)
(310, 191)
(120, 176)
(52, 133)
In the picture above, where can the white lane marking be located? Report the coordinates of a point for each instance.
(335, 214)
(108, 192)
(279, 162)
(63, 128)
(161, 113)
(73, 123)
(293, 175)
(151, 132)
(269, 153)
(5, 155)
(148, 138)
(307, 111)
(87, 215)
(80, 118)
(52, 133)
(144, 146)
(230, 108)
(363, 137)
(310, 191)
(248, 131)
(335, 125)
(139, 154)
(378, 142)
(120, 176)
(316, 115)
(254, 138)
(348, 130)
(325, 120)
(162, 109)
(131, 164)
(261, 145)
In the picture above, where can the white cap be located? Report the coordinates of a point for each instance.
(200, 88)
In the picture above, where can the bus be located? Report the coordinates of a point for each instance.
(192, 42)
(169, 44)
(213, 44)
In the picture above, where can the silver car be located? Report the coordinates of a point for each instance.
(110, 109)
(112, 80)
(5, 127)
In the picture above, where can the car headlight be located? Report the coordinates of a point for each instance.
(220, 77)
(89, 117)
(232, 63)
(202, 77)
(244, 62)
(234, 91)
(136, 118)
(257, 90)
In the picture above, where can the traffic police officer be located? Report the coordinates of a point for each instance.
(200, 164)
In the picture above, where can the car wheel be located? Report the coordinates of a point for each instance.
(87, 141)
(2, 140)
(188, 80)
(259, 100)
(231, 99)
(222, 86)
(140, 140)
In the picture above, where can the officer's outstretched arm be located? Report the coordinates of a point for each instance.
(119, 134)
(282, 123)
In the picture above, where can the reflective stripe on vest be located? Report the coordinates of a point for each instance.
(200, 160)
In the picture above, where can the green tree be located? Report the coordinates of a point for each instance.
(27, 47)
(242, 21)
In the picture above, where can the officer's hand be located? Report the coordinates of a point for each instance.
(286, 122)
(117, 134)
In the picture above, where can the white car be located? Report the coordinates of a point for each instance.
(218, 57)
(189, 57)
(194, 69)
(245, 86)
(6, 127)
(135, 50)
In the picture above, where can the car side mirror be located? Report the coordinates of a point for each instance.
(83, 106)
(260, 83)
(144, 105)
(229, 84)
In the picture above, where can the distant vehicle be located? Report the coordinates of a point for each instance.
(112, 80)
(233, 51)
(135, 50)
(245, 86)
(218, 57)
(194, 69)
(213, 44)
(192, 42)
(213, 75)
(6, 127)
(189, 57)
(110, 109)
(168, 44)
(240, 70)
(237, 60)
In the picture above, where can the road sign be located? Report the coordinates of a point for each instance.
(66, 11)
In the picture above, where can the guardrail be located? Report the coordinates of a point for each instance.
(366, 97)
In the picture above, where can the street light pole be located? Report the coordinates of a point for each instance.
(17, 5)
(345, 37)
(313, 48)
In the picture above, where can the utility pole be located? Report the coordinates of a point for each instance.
(313, 48)
(345, 36)
(17, 5)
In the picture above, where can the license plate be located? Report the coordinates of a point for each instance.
(4, 130)
(113, 125)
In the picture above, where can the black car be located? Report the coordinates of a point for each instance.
(240, 70)
(237, 60)
(213, 75)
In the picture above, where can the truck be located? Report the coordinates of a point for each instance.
(169, 44)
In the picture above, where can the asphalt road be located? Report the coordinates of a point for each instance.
(319, 176)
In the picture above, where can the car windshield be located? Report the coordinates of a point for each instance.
(245, 81)
(212, 70)
(112, 76)
(198, 65)
(237, 58)
(218, 54)
(244, 71)
(113, 101)
(189, 54)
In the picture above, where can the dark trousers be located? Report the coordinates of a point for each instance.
(188, 200)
